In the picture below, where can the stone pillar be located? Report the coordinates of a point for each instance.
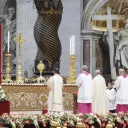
(86, 53)
(89, 39)
(26, 17)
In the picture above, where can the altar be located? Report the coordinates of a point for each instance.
(33, 97)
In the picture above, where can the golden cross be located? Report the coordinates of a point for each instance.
(20, 39)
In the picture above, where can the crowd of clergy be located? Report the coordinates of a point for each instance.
(95, 97)
(93, 94)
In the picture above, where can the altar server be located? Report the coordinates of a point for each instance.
(55, 86)
(84, 82)
(111, 93)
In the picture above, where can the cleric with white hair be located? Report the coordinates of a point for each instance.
(99, 94)
(121, 85)
(84, 82)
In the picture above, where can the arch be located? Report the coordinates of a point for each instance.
(6, 4)
(91, 8)
(3, 5)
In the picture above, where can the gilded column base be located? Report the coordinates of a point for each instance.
(72, 71)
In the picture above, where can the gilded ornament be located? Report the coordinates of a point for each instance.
(40, 67)
(80, 125)
(8, 69)
(72, 71)
(33, 97)
(20, 41)
(46, 4)
(109, 125)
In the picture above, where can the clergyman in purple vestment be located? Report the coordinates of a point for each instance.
(84, 82)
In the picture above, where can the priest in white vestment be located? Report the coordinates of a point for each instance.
(121, 84)
(84, 99)
(99, 94)
(55, 98)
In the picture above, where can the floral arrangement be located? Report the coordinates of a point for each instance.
(119, 120)
(2, 95)
(42, 79)
(34, 80)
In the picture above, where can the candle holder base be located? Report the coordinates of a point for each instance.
(8, 77)
(71, 80)
(72, 71)
(19, 80)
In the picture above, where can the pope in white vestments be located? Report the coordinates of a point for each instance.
(121, 84)
(55, 98)
(84, 99)
(99, 95)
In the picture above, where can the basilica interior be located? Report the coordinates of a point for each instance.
(37, 36)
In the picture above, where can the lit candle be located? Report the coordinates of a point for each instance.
(71, 45)
(8, 40)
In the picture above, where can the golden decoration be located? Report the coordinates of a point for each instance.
(51, 11)
(80, 125)
(8, 77)
(55, 124)
(72, 71)
(40, 67)
(33, 97)
(117, 7)
(20, 41)
(109, 125)
(46, 4)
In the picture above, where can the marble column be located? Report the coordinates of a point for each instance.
(86, 53)
(0, 53)
(89, 39)
(26, 17)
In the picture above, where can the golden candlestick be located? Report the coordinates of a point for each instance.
(20, 41)
(8, 77)
(72, 71)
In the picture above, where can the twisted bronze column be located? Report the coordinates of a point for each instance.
(46, 32)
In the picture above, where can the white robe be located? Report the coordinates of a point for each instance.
(121, 84)
(111, 93)
(99, 96)
(84, 82)
(55, 98)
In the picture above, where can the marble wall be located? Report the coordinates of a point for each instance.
(26, 17)
(70, 25)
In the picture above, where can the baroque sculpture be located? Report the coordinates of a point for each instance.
(10, 25)
(121, 56)
(46, 33)
(121, 47)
